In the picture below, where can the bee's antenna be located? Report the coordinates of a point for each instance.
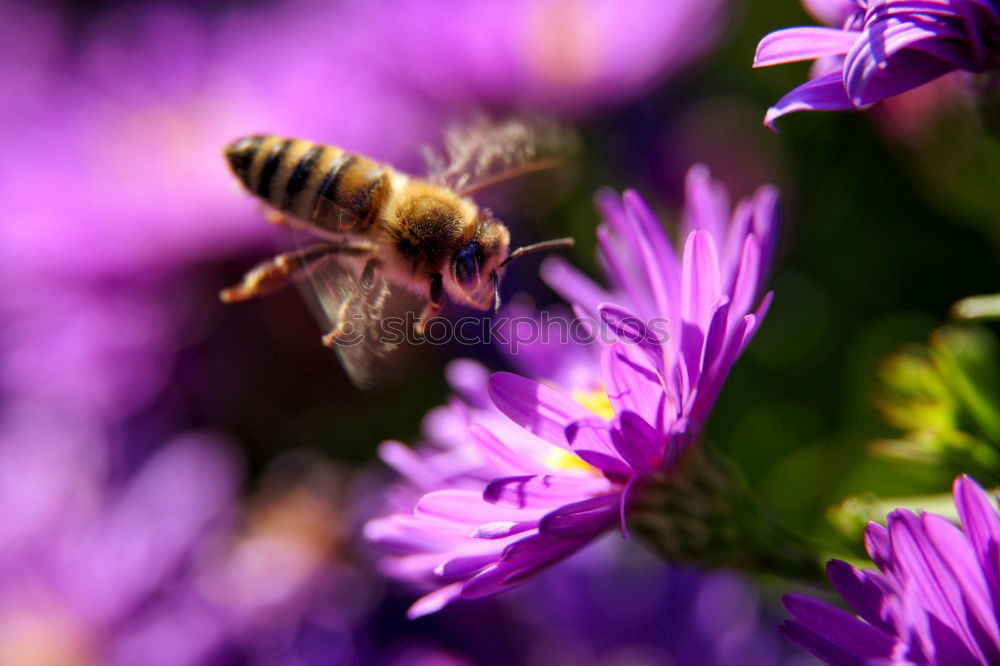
(496, 291)
(536, 247)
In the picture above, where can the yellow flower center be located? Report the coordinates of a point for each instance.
(598, 403)
(595, 401)
(567, 462)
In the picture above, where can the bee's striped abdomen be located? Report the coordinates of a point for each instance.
(315, 183)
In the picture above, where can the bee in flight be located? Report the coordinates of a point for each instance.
(379, 226)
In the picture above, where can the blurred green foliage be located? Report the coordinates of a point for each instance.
(946, 397)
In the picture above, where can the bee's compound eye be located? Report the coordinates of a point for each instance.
(468, 263)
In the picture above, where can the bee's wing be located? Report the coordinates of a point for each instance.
(482, 152)
(348, 294)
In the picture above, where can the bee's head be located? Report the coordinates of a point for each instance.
(475, 264)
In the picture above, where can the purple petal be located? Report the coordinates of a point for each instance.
(700, 279)
(638, 443)
(583, 518)
(502, 529)
(794, 44)
(947, 645)
(831, 631)
(706, 205)
(502, 458)
(885, 36)
(616, 241)
(817, 645)
(825, 93)
(653, 250)
(831, 12)
(864, 591)
(627, 326)
(633, 383)
(435, 601)
(464, 506)
(572, 285)
(766, 215)
(464, 566)
(612, 210)
(521, 560)
(711, 383)
(867, 81)
(879, 547)
(933, 580)
(468, 378)
(408, 464)
(542, 491)
(664, 263)
(748, 277)
(715, 336)
(536, 407)
(958, 554)
(590, 439)
(982, 526)
(409, 533)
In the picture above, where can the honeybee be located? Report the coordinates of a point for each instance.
(381, 227)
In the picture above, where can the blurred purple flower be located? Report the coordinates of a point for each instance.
(563, 56)
(504, 502)
(106, 562)
(92, 567)
(611, 605)
(278, 579)
(124, 173)
(883, 48)
(934, 602)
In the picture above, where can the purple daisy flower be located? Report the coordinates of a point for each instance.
(934, 599)
(507, 497)
(703, 300)
(883, 48)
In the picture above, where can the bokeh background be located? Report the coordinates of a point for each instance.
(183, 482)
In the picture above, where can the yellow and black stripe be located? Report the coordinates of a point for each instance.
(318, 184)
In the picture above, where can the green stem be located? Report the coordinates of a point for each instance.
(700, 512)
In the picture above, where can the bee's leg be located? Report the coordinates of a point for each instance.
(367, 293)
(274, 274)
(367, 281)
(434, 303)
(278, 218)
